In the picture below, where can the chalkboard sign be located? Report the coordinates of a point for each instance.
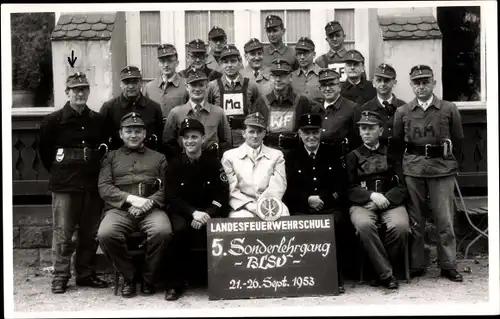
(252, 258)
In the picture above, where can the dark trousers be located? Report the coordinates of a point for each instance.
(70, 210)
(114, 228)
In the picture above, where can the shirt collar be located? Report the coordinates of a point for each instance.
(290, 96)
(245, 150)
(315, 151)
(227, 81)
(204, 106)
(128, 151)
(340, 53)
(313, 68)
(68, 112)
(389, 100)
(372, 148)
(335, 104)
(264, 73)
(434, 101)
(175, 80)
(126, 102)
(281, 49)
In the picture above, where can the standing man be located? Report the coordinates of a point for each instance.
(217, 39)
(305, 78)
(316, 180)
(170, 89)
(282, 108)
(334, 58)
(131, 184)
(276, 48)
(70, 147)
(197, 59)
(356, 88)
(254, 170)
(196, 190)
(377, 195)
(432, 130)
(385, 103)
(234, 93)
(255, 70)
(217, 130)
(132, 100)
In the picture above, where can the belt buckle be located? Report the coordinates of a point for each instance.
(377, 183)
(85, 157)
(427, 150)
(280, 136)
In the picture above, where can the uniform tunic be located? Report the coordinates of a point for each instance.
(307, 84)
(263, 78)
(334, 60)
(359, 93)
(212, 63)
(168, 93)
(284, 52)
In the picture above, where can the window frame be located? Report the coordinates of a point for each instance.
(186, 40)
(147, 79)
(285, 40)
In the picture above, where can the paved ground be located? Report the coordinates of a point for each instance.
(32, 294)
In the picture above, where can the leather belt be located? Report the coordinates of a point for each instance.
(282, 140)
(428, 150)
(143, 189)
(376, 185)
(86, 154)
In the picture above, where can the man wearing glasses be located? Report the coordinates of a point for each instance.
(334, 58)
(197, 59)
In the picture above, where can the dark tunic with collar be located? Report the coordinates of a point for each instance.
(359, 93)
(65, 128)
(386, 114)
(150, 111)
(167, 93)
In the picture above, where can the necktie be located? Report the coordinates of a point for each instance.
(312, 155)
(197, 109)
(388, 107)
(256, 73)
(232, 84)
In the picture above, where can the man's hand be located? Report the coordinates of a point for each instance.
(136, 212)
(251, 207)
(136, 201)
(196, 224)
(201, 217)
(147, 205)
(371, 206)
(315, 202)
(380, 200)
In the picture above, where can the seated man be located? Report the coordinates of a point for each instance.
(196, 190)
(377, 194)
(253, 170)
(317, 182)
(130, 183)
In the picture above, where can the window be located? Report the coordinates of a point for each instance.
(150, 39)
(296, 22)
(346, 18)
(199, 23)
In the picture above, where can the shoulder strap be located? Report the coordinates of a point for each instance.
(221, 92)
(266, 101)
(245, 84)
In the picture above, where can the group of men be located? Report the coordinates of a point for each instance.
(211, 140)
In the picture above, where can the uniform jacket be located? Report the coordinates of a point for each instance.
(440, 121)
(214, 95)
(212, 63)
(200, 185)
(284, 51)
(331, 57)
(248, 181)
(387, 115)
(114, 109)
(263, 78)
(123, 169)
(368, 165)
(308, 84)
(210, 73)
(360, 93)
(323, 176)
(65, 128)
(167, 93)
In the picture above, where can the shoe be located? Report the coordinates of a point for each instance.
(128, 289)
(93, 282)
(452, 274)
(59, 286)
(389, 283)
(418, 272)
(341, 289)
(172, 294)
(147, 289)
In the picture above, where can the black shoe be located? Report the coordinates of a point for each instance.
(418, 272)
(128, 289)
(59, 286)
(341, 289)
(147, 289)
(172, 294)
(452, 274)
(92, 281)
(389, 283)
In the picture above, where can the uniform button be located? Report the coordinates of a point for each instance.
(389, 129)
(182, 184)
(314, 178)
(326, 117)
(208, 182)
(315, 189)
(323, 130)
(83, 142)
(83, 128)
(314, 168)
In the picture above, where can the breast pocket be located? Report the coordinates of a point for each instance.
(444, 125)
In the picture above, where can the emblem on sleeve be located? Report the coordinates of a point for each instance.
(60, 155)
(269, 208)
(223, 176)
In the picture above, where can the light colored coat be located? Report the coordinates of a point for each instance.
(248, 180)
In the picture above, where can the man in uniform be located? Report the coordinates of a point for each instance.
(377, 195)
(234, 93)
(196, 190)
(170, 89)
(316, 180)
(305, 78)
(217, 39)
(339, 130)
(132, 100)
(254, 170)
(334, 58)
(131, 185)
(70, 150)
(276, 48)
(432, 130)
(356, 88)
(255, 69)
(385, 103)
(217, 130)
(282, 108)
(197, 59)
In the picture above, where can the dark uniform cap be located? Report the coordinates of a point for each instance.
(132, 119)
(256, 119)
(130, 72)
(195, 75)
(386, 71)
(166, 50)
(280, 65)
(327, 75)
(273, 21)
(191, 124)
(197, 45)
(216, 32)
(370, 118)
(333, 26)
(309, 121)
(354, 55)
(421, 71)
(253, 44)
(229, 50)
(78, 79)
(305, 43)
